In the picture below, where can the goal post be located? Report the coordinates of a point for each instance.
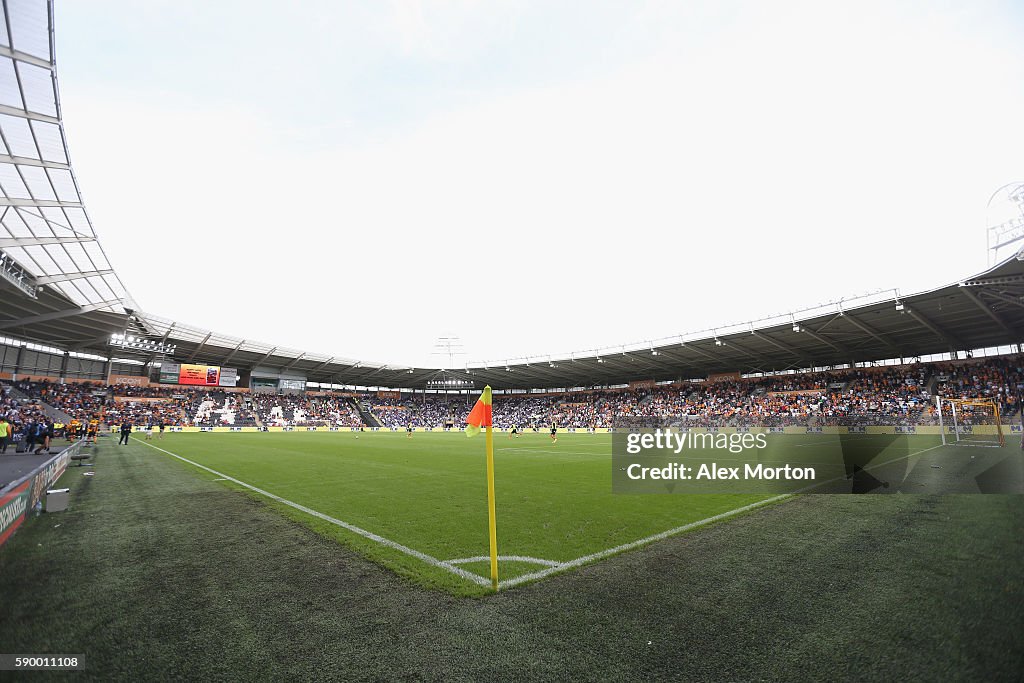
(970, 421)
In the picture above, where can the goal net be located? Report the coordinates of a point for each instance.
(970, 421)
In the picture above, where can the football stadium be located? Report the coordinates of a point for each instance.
(183, 503)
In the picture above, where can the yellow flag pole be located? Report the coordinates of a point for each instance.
(492, 523)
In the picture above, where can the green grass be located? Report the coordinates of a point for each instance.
(156, 572)
(554, 501)
(428, 493)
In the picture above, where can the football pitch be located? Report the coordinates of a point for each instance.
(418, 505)
(157, 566)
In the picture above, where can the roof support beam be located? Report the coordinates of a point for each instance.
(750, 355)
(25, 57)
(200, 347)
(875, 334)
(791, 350)
(57, 315)
(988, 281)
(232, 354)
(29, 161)
(31, 115)
(89, 343)
(988, 311)
(814, 335)
(954, 343)
(1005, 297)
(8, 242)
(323, 365)
(265, 357)
(294, 361)
(64, 277)
(7, 201)
(694, 349)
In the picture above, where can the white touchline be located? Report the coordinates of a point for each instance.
(433, 561)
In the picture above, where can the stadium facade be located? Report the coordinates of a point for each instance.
(65, 314)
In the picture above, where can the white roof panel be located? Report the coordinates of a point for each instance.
(39, 173)
(29, 22)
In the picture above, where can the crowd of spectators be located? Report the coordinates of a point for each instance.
(81, 401)
(291, 410)
(899, 395)
(886, 395)
(19, 412)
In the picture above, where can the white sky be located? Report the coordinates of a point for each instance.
(361, 178)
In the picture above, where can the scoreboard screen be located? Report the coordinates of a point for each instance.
(202, 375)
(198, 375)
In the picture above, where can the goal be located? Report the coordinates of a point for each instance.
(970, 421)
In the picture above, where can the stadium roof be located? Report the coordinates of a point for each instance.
(983, 311)
(59, 289)
(64, 289)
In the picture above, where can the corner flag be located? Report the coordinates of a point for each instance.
(479, 417)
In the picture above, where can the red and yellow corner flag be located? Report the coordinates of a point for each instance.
(480, 417)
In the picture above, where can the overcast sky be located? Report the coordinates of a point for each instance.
(360, 178)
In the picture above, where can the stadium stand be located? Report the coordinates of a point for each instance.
(889, 395)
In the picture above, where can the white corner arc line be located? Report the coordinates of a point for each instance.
(507, 558)
(433, 561)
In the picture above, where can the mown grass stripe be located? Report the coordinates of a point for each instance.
(377, 538)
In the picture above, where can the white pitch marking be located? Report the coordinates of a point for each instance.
(507, 558)
(860, 437)
(543, 450)
(433, 561)
(508, 583)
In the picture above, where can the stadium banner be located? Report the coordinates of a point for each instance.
(933, 430)
(18, 497)
(130, 380)
(653, 456)
(724, 377)
(229, 377)
(13, 506)
(49, 472)
(169, 373)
